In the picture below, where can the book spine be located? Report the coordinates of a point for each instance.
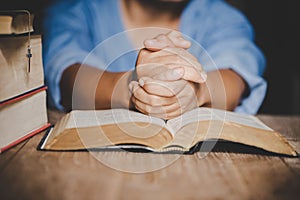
(2, 149)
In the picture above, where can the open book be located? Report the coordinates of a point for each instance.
(109, 129)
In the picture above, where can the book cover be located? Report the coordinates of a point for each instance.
(22, 117)
(15, 78)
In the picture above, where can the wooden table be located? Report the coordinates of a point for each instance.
(26, 173)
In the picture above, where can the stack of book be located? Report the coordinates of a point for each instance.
(23, 111)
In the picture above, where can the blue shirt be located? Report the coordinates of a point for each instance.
(92, 32)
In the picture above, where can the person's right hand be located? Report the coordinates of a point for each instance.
(170, 64)
(171, 39)
(165, 57)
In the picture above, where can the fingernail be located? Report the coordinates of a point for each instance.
(178, 72)
(184, 41)
(203, 76)
(150, 42)
(141, 82)
(130, 86)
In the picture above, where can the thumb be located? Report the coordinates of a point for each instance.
(156, 45)
(170, 74)
(178, 40)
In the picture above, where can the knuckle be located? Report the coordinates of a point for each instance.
(174, 33)
(143, 51)
(148, 109)
(139, 106)
(139, 109)
(143, 55)
(178, 58)
(162, 37)
(155, 101)
(170, 50)
(137, 93)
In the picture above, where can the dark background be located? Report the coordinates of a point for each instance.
(277, 27)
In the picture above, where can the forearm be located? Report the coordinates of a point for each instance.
(85, 87)
(223, 89)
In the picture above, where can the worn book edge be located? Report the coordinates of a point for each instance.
(14, 22)
(22, 96)
(27, 136)
(284, 147)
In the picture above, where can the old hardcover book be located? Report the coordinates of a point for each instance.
(22, 117)
(15, 22)
(14, 76)
(112, 129)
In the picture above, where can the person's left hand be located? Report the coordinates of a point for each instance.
(165, 99)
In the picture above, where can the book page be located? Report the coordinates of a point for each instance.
(89, 118)
(198, 114)
(242, 119)
(212, 124)
(102, 128)
(208, 114)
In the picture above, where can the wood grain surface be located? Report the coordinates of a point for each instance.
(26, 173)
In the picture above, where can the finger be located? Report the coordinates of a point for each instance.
(174, 57)
(178, 40)
(156, 45)
(162, 88)
(159, 42)
(133, 86)
(170, 74)
(155, 110)
(143, 56)
(166, 115)
(193, 69)
(172, 39)
(164, 57)
(182, 53)
(174, 33)
(152, 100)
(175, 72)
(194, 75)
(183, 104)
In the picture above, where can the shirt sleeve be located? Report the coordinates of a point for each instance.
(65, 42)
(229, 43)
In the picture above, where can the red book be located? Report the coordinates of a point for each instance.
(22, 117)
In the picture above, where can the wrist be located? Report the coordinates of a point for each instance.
(113, 90)
(203, 95)
(122, 90)
(134, 76)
